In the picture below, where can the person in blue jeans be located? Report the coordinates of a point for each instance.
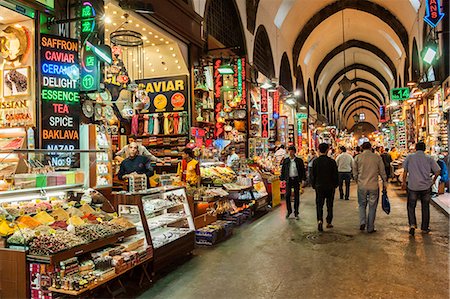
(417, 180)
(367, 167)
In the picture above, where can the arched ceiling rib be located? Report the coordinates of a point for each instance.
(363, 75)
(339, 102)
(363, 86)
(371, 70)
(359, 99)
(354, 44)
(366, 6)
(352, 112)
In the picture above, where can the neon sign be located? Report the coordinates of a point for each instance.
(60, 98)
(276, 104)
(264, 103)
(433, 13)
(90, 65)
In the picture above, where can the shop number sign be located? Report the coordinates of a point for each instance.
(399, 94)
(169, 94)
(60, 98)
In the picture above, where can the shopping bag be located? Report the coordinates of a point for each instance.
(385, 204)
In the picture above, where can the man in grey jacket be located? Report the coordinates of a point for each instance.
(366, 169)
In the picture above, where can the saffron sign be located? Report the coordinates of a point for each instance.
(60, 98)
(433, 13)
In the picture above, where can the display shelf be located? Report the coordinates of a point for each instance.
(41, 192)
(82, 249)
(206, 123)
(153, 222)
(161, 135)
(106, 279)
(163, 209)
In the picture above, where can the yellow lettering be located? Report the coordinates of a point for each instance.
(179, 84)
(149, 88)
(170, 86)
(158, 86)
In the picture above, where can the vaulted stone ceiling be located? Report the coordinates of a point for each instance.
(374, 35)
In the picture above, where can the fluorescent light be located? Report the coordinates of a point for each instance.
(429, 55)
(297, 93)
(393, 104)
(290, 101)
(226, 69)
(302, 108)
(411, 101)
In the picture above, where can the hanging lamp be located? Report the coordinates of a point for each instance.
(345, 84)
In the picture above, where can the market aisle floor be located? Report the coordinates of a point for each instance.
(278, 258)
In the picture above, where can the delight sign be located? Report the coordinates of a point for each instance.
(60, 98)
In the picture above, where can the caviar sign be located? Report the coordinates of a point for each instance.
(60, 98)
(168, 94)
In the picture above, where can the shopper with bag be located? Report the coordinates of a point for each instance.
(367, 167)
(293, 172)
(417, 179)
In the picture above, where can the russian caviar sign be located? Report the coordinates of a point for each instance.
(169, 94)
(60, 98)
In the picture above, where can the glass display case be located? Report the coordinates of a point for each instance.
(163, 215)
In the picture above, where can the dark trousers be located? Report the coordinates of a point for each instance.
(425, 197)
(293, 183)
(324, 195)
(344, 177)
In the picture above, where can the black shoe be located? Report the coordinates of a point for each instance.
(362, 227)
(288, 214)
(341, 198)
(426, 231)
(329, 225)
(412, 230)
(297, 217)
(346, 199)
(372, 231)
(320, 226)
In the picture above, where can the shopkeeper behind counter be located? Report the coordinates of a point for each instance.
(189, 168)
(135, 164)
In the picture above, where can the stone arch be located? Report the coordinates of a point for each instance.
(363, 90)
(262, 53)
(415, 62)
(310, 94)
(285, 73)
(300, 85)
(354, 44)
(369, 7)
(223, 22)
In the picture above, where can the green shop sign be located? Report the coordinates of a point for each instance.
(48, 3)
(399, 94)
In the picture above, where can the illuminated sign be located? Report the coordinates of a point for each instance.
(60, 99)
(48, 3)
(264, 102)
(383, 117)
(276, 104)
(217, 78)
(241, 80)
(433, 13)
(399, 94)
(265, 125)
(90, 65)
(169, 94)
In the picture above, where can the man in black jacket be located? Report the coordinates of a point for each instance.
(135, 164)
(324, 180)
(293, 172)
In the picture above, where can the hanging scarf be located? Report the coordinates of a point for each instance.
(176, 121)
(156, 124)
(151, 122)
(185, 128)
(166, 124)
(161, 123)
(146, 117)
(135, 124)
(170, 117)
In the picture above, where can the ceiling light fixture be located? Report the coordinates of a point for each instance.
(345, 84)
(266, 85)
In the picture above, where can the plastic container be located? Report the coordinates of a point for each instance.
(41, 180)
(25, 180)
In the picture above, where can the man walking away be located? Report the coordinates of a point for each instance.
(344, 163)
(366, 169)
(293, 172)
(386, 161)
(324, 180)
(417, 168)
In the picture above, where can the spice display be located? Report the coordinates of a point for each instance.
(122, 222)
(75, 220)
(44, 218)
(28, 221)
(87, 209)
(59, 225)
(60, 214)
(219, 175)
(74, 212)
(22, 237)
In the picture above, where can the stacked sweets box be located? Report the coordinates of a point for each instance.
(214, 233)
(40, 281)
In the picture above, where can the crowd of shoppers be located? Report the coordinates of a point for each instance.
(367, 165)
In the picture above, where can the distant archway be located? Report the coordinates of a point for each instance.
(262, 53)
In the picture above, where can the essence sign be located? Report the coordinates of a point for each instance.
(60, 98)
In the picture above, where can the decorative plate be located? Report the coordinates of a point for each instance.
(239, 114)
(109, 112)
(88, 109)
(98, 111)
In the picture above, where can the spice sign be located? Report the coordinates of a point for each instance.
(169, 94)
(60, 99)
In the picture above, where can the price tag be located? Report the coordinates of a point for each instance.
(82, 202)
(98, 209)
(38, 210)
(70, 204)
(37, 233)
(38, 200)
(21, 212)
(100, 220)
(115, 214)
(52, 231)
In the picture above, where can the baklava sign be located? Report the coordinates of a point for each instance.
(60, 99)
(169, 94)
